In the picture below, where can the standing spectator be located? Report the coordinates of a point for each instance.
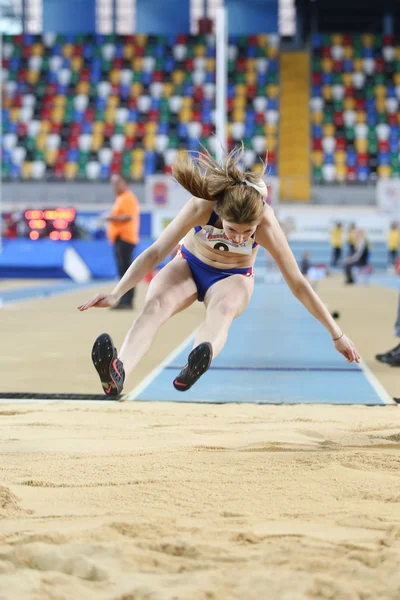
(393, 242)
(392, 357)
(336, 243)
(360, 258)
(123, 231)
(351, 233)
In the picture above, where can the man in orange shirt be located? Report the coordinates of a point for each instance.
(123, 231)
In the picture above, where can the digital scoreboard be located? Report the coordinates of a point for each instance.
(57, 224)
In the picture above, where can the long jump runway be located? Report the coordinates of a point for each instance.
(276, 354)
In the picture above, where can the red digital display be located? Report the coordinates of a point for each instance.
(58, 224)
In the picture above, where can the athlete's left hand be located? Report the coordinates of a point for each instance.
(346, 347)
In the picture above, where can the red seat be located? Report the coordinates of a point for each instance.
(108, 129)
(188, 65)
(153, 115)
(338, 119)
(317, 78)
(260, 118)
(337, 66)
(360, 104)
(383, 146)
(340, 144)
(351, 173)
(379, 65)
(349, 92)
(317, 144)
(362, 159)
(206, 130)
(158, 76)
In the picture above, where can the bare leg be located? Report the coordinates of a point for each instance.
(224, 301)
(171, 291)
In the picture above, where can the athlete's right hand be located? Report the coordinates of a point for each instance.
(99, 301)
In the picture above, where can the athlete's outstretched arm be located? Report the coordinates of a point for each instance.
(270, 235)
(195, 212)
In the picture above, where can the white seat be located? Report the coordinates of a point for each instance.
(338, 92)
(260, 104)
(144, 103)
(329, 173)
(156, 89)
(25, 114)
(249, 158)
(33, 128)
(179, 52)
(35, 63)
(53, 141)
(237, 131)
(38, 169)
(198, 77)
(49, 39)
(8, 50)
(213, 116)
(349, 117)
(18, 155)
(262, 65)
(4, 75)
(117, 142)
(232, 52)
(161, 143)
(194, 129)
(126, 76)
(9, 141)
(64, 76)
(121, 115)
(389, 53)
(93, 170)
(358, 80)
(337, 52)
(392, 105)
(104, 89)
(398, 91)
(81, 102)
(28, 100)
(105, 156)
(209, 91)
(272, 117)
(317, 104)
(199, 63)
(361, 130)
(85, 142)
(170, 156)
(369, 66)
(148, 64)
(175, 104)
(259, 144)
(10, 87)
(273, 40)
(383, 131)
(329, 144)
(108, 51)
(55, 63)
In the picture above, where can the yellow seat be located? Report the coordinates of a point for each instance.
(272, 141)
(14, 114)
(137, 64)
(32, 77)
(51, 157)
(98, 127)
(329, 130)
(150, 128)
(185, 115)
(341, 172)
(337, 39)
(109, 116)
(257, 168)
(149, 142)
(178, 77)
(380, 91)
(347, 79)
(272, 91)
(7, 102)
(358, 65)
(187, 102)
(45, 127)
(262, 40)
(317, 118)
(210, 65)
(137, 171)
(250, 78)
(128, 51)
(137, 155)
(317, 158)
(349, 103)
(271, 129)
(397, 78)
(348, 51)
(37, 49)
(136, 89)
(340, 157)
(251, 64)
(60, 101)
(327, 92)
(97, 142)
(112, 102)
(26, 170)
(130, 129)
(368, 40)
(141, 39)
(41, 141)
(380, 105)
(199, 50)
(240, 102)
(70, 170)
(361, 116)
(361, 145)
(76, 63)
(241, 89)
(115, 76)
(238, 115)
(68, 50)
(58, 116)
(272, 52)
(384, 172)
(83, 87)
(326, 65)
(168, 90)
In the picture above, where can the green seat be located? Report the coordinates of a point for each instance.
(382, 118)
(99, 115)
(369, 92)
(119, 129)
(30, 144)
(173, 142)
(5, 171)
(127, 158)
(75, 78)
(337, 79)
(328, 116)
(259, 130)
(38, 155)
(338, 105)
(317, 174)
(349, 133)
(272, 79)
(396, 172)
(380, 79)
(378, 42)
(327, 39)
(60, 39)
(394, 161)
(316, 64)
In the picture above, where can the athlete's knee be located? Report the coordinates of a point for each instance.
(225, 307)
(155, 308)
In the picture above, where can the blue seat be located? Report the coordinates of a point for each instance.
(362, 174)
(351, 160)
(73, 155)
(348, 65)
(104, 172)
(329, 158)
(316, 41)
(327, 79)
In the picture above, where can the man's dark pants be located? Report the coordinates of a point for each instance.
(123, 252)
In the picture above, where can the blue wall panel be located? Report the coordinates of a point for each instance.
(252, 16)
(71, 16)
(161, 17)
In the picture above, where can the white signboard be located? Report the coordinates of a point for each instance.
(388, 197)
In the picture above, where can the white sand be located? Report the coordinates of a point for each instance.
(188, 502)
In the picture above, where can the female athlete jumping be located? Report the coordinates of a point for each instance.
(222, 225)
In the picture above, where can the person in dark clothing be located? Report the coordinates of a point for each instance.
(360, 258)
(392, 357)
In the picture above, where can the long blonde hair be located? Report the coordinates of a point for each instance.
(203, 177)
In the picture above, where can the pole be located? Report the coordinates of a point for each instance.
(221, 82)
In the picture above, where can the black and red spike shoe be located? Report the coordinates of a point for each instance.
(199, 361)
(108, 366)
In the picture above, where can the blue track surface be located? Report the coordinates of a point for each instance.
(276, 353)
